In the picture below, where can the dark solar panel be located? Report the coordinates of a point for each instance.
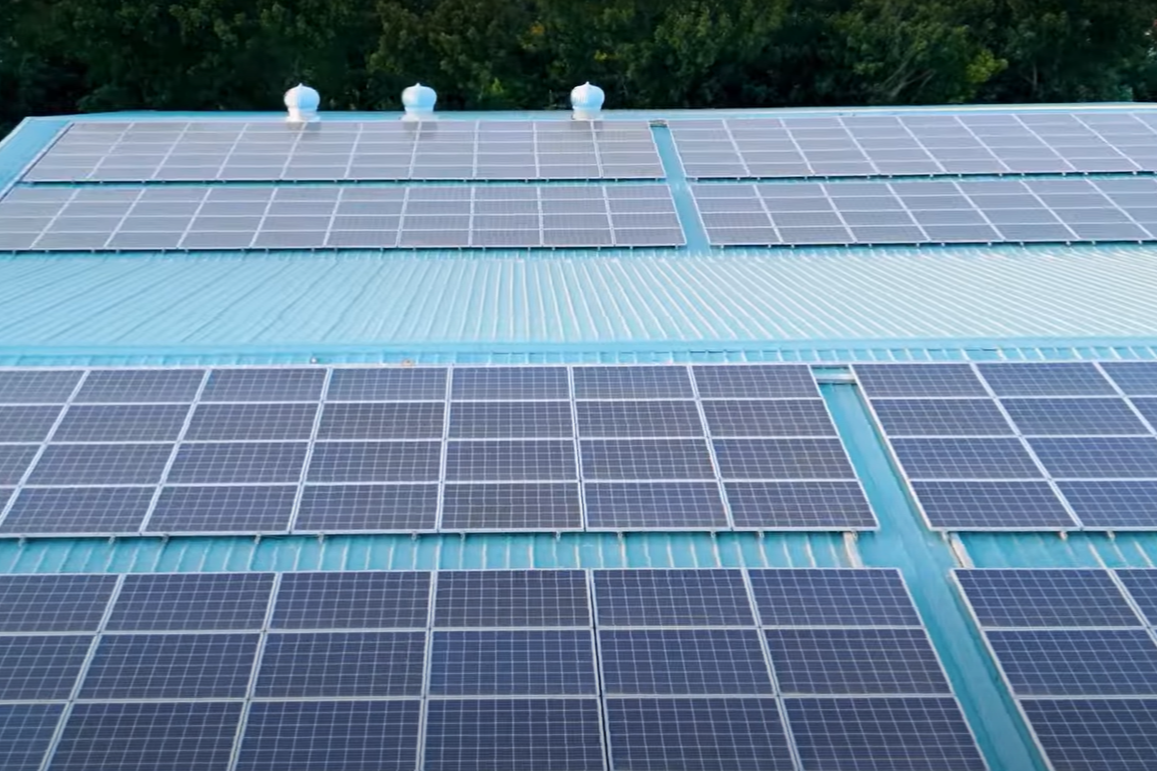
(509, 598)
(758, 418)
(386, 384)
(510, 420)
(662, 382)
(375, 462)
(238, 463)
(1045, 598)
(27, 424)
(855, 662)
(250, 422)
(171, 666)
(230, 509)
(1113, 504)
(672, 459)
(772, 381)
(264, 385)
(122, 423)
(414, 420)
(369, 600)
(341, 664)
(1135, 378)
(1148, 409)
(510, 383)
(14, 462)
(368, 508)
(53, 603)
(140, 385)
(516, 461)
(992, 505)
(25, 732)
(883, 735)
(1096, 734)
(810, 597)
(192, 602)
(683, 662)
(782, 459)
(544, 735)
(37, 386)
(161, 736)
(78, 510)
(1073, 416)
(671, 598)
(1076, 662)
(40, 668)
(918, 380)
(1098, 457)
(703, 734)
(100, 464)
(1142, 587)
(1046, 379)
(950, 458)
(657, 505)
(640, 420)
(941, 417)
(512, 663)
(818, 505)
(513, 506)
(334, 735)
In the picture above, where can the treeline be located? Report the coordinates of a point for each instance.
(60, 56)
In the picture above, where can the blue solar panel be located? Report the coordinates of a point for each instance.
(369, 600)
(157, 735)
(231, 509)
(1077, 662)
(368, 508)
(1113, 504)
(1148, 409)
(654, 505)
(14, 461)
(671, 598)
(171, 666)
(632, 383)
(918, 380)
(755, 381)
(37, 386)
(810, 597)
(518, 734)
(1096, 735)
(757, 459)
(341, 664)
(941, 417)
(1045, 598)
(140, 385)
(264, 385)
(25, 732)
(992, 505)
(701, 734)
(511, 598)
(1046, 379)
(404, 420)
(1073, 416)
(27, 424)
(40, 668)
(883, 735)
(625, 459)
(382, 384)
(102, 464)
(512, 663)
(375, 462)
(855, 662)
(512, 506)
(758, 418)
(1142, 587)
(946, 458)
(807, 505)
(53, 603)
(121, 423)
(250, 422)
(510, 383)
(331, 735)
(78, 510)
(1098, 457)
(1135, 378)
(510, 420)
(510, 460)
(639, 420)
(192, 602)
(238, 463)
(683, 662)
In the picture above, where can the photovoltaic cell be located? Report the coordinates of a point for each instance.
(1135, 378)
(951, 458)
(368, 508)
(40, 668)
(855, 662)
(684, 662)
(782, 459)
(375, 462)
(624, 505)
(342, 664)
(510, 598)
(640, 420)
(104, 464)
(334, 735)
(170, 666)
(26, 424)
(1099, 457)
(53, 603)
(510, 383)
(1096, 734)
(413, 420)
(671, 459)
(1077, 662)
(140, 385)
(362, 600)
(533, 460)
(14, 462)
(817, 505)
(512, 663)
(510, 420)
(1113, 504)
(511, 506)
(765, 418)
(754, 381)
(1071, 417)
(632, 382)
(121, 423)
(78, 510)
(387, 384)
(808, 597)
(1142, 587)
(705, 734)
(37, 386)
(1148, 409)
(941, 417)
(25, 732)
(264, 385)
(992, 505)
(918, 380)
(1046, 379)
(250, 422)
(191, 602)
(671, 598)
(230, 509)
(1045, 598)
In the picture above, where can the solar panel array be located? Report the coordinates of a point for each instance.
(317, 450)
(921, 145)
(474, 670)
(930, 212)
(170, 151)
(1078, 651)
(1027, 446)
(182, 218)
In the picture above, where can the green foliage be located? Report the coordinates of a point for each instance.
(59, 56)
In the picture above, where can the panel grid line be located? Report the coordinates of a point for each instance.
(161, 483)
(254, 673)
(706, 429)
(295, 512)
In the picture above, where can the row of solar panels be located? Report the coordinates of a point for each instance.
(612, 669)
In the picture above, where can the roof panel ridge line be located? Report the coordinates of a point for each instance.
(82, 673)
(254, 673)
(315, 428)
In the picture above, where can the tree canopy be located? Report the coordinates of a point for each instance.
(61, 56)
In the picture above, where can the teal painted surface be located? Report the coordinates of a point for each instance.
(926, 561)
(23, 144)
(1078, 550)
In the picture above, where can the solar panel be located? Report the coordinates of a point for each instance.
(1045, 598)
(483, 734)
(992, 506)
(335, 735)
(1046, 379)
(38, 386)
(486, 461)
(250, 422)
(40, 668)
(941, 417)
(415, 420)
(26, 730)
(50, 510)
(367, 508)
(760, 418)
(53, 603)
(640, 420)
(1077, 662)
(918, 380)
(508, 598)
(387, 384)
(14, 462)
(684, 662)
(510, 383)
(1142, 588)
(513, 506)
(510, 420)
(757, 459)
(122, 423)
(653, 505)
(799, 505)
(776, 381)
(512, 663)
(661, 382)
(1148, 409)
(263, 385)
(228, 509)
(104, 464)
(1070, 417)
(170, 666)
(1096, 734)
(1134, 378)
(959, 458)
(375, 462)
(855, 662)
(808, 597)
(708, 734)
(152, 734)
(1102, 457)
(191, 602)
(369, 600)
(238, 463)
(668, 459)
(671, 598)
(882, 734)
(341, 664)
(140, 385)
(26, 424)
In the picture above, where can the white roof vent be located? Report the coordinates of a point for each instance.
(587, 101)
(302, 103)
(419, 101)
